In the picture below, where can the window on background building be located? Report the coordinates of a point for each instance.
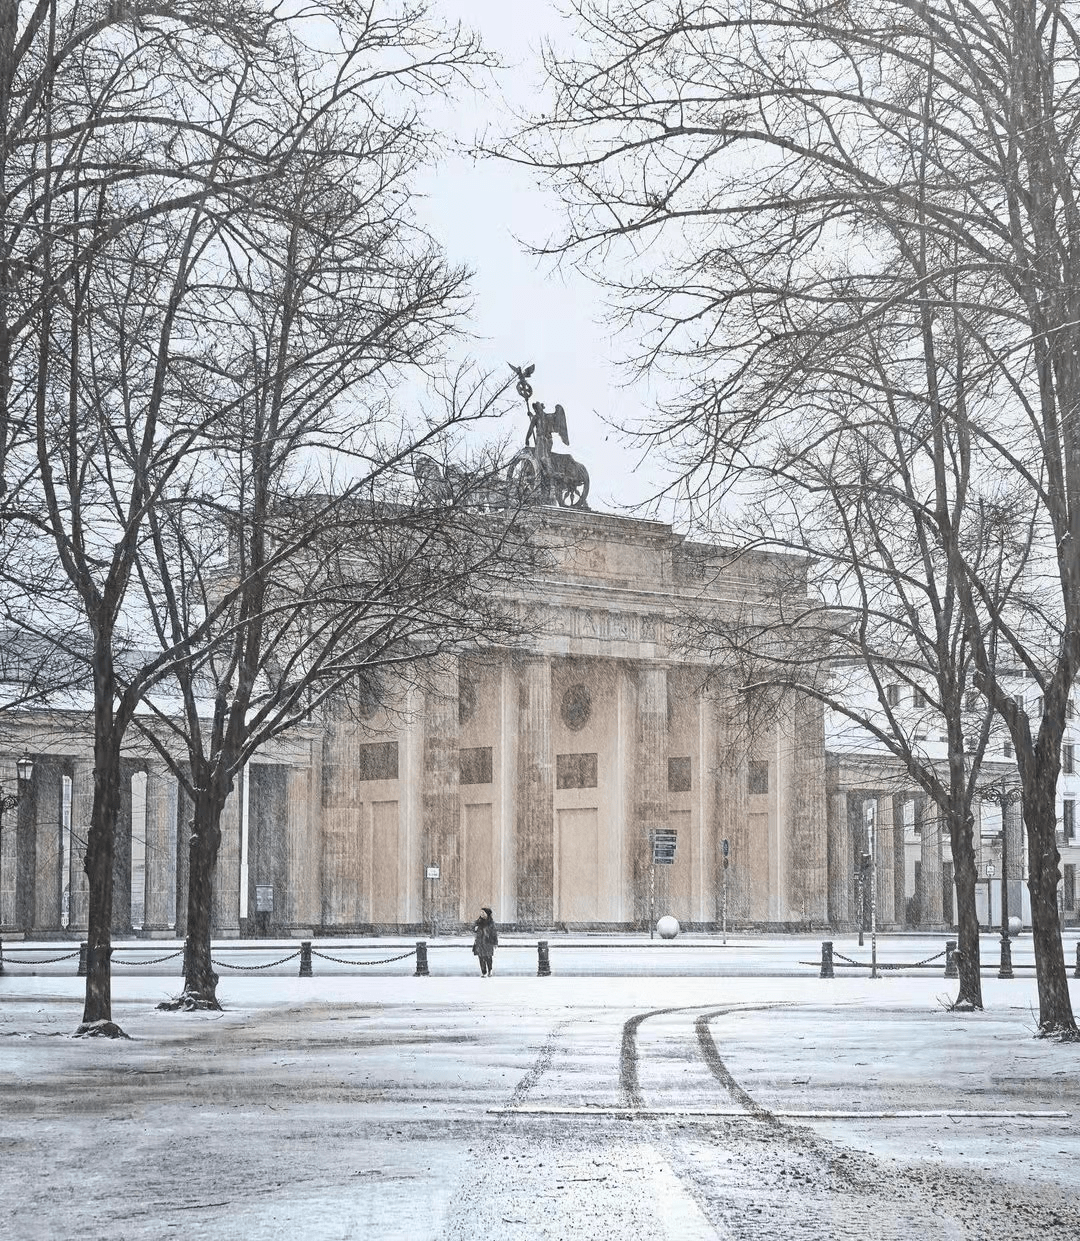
(575, 771)
(377, 760)
(1007, 749)
(892, 695)
(1039, 705)
(1070, 708)
(1019, 700)
(759, 775)
(678, 775)
(1069, 885)
(1068, 759)
(918, 698)
(971, 700)
(476, 765)
(1068, 818)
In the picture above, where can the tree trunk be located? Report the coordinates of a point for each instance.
(961, 840)
(100, 848)
(1055, 1006)
(200, 980)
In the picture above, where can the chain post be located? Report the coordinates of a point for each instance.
(421, 959)
(826, 959)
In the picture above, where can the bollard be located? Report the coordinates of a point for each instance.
(421, 959)
(1005, 969)
(826, 959)
(543, 959)
(83, 949)
(305, 958)
(951, 970)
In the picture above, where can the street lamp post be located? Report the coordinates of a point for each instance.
(8, 801)
(24, 769)
(1005, 969)
(871, 826)
(989, 896)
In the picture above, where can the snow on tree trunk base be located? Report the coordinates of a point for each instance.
(100, 1029)
(191, 1001)
(1059, 1032)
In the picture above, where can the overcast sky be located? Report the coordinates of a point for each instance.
(525, 310)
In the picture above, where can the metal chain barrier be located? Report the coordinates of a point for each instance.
(151, 961)
(44, 960)
(268, 966)
(382, 961)
(882, 965)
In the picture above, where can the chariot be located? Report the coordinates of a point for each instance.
(535, 475)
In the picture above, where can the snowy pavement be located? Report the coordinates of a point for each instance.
(645, 1106)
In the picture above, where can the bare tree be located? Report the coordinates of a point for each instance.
(164, 140)
(321, 596)
(866, 616)
(756, 166)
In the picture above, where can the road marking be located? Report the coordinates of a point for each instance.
(680, 1216)
(646, 1113)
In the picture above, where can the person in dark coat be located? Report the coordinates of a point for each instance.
(485, 938)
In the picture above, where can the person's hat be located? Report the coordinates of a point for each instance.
(486, 910)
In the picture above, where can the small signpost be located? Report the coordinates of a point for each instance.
(431, 873)
(723, 889)
(264, 908)
(662, 843)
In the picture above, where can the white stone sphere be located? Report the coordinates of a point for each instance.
(1015, 925)
(667, 927)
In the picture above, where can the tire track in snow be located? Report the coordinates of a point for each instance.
(628, 1054)
(543, 1063)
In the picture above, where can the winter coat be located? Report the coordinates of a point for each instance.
(485, 937)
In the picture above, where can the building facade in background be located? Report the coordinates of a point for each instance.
(527, 780)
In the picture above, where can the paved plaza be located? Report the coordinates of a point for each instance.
(676, 1091)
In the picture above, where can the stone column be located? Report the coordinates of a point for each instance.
(157, 874)
(650, 779)
(732, 800)
(9, 851)
(82, 809)
(883, 860)
(440, 796)
(859, 845)
(24, 829)
(184, 812)
(899, 860)
(840, 849)
(807, 843)
(928, 821)
(301, 887)
(534, 800)
(121, 907)
(225, 914)
(48, 847)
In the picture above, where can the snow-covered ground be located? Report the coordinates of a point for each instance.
(673, 1100)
